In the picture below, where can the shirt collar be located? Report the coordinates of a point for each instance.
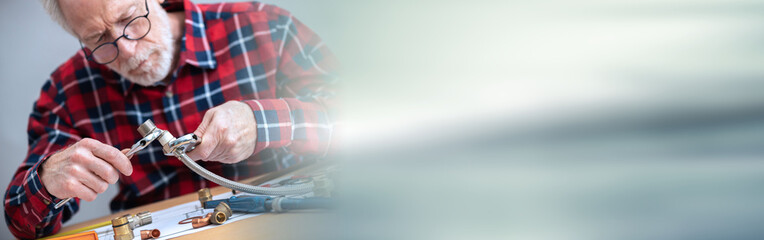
(195, 48)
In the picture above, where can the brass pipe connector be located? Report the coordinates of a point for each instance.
(221, 214)
(218, 218)
(150, 234)
(201, 222)
(204, 195)
(123, 226)
(122, 229)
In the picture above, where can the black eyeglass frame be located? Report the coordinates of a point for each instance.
(124, 35)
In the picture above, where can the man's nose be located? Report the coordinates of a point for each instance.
(126, 48)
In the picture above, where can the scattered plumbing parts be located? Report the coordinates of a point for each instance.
(222, 212)
(259, 204)
(220, 215)
(124, 225)
(250, 204)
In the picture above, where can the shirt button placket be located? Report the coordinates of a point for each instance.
(169, 102)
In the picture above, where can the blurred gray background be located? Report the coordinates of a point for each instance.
(547, 119)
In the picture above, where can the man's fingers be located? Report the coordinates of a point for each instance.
(114, 157)
(220, 150)
(105, 171)
(83, 192)
(93, 182)
(215, 150)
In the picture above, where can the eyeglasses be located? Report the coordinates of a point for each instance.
(136, 29)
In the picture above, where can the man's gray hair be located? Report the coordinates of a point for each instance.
(54, 10)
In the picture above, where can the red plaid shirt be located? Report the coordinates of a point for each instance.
(252, 52)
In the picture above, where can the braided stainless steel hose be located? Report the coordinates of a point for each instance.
(276, 191)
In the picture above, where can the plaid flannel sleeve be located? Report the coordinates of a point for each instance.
(29, 208)
(300, 118)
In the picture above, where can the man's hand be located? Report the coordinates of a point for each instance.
(228, 133)
(83, 169)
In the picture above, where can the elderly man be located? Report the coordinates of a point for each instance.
(248, 78)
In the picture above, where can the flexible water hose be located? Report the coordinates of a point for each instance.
(277, 191)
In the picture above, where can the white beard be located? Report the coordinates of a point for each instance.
(151, 72)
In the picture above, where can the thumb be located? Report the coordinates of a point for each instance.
(202, 128)
(204, 149)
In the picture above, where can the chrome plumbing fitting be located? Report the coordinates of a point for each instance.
(170, 144)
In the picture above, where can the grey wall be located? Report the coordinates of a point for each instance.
(33, 48)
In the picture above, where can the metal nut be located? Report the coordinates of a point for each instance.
(146, 128)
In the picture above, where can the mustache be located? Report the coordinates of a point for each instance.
(135, 60)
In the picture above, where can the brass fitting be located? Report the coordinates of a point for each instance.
(149, 234)
(224, 208)
(221, 214)
(124, 225)
(218, 218)
(204, 195)
(122, 229)
(201, 222)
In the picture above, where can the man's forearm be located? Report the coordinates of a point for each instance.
(303, 126)
(28, 205)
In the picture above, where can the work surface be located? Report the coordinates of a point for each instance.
(290, 225)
